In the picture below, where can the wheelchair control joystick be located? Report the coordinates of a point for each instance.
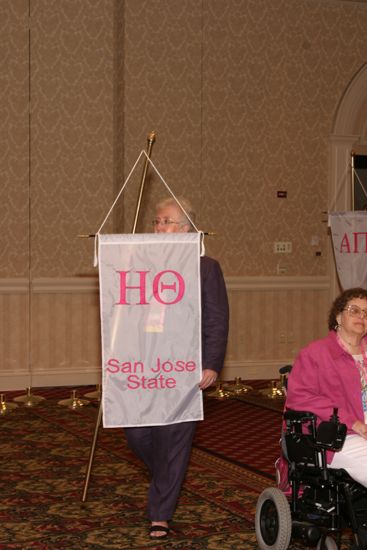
(334, 417)
(331, 434)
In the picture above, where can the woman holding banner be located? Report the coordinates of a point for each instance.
(166, 449)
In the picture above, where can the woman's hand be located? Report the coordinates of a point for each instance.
(208, 379)
(360, 428)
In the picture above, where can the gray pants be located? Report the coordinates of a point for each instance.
(166, 451)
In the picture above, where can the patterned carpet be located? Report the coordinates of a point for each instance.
(231, 432)
(44, 451)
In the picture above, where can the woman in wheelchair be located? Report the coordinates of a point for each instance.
(325, 438)
(332, 372)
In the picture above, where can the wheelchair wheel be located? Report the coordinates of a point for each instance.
(273, 520)
(329, 544)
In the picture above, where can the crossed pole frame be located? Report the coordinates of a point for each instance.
(150, 140)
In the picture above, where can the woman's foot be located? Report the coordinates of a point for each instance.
(159, 530)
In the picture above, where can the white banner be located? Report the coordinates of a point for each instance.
(151, 328)
(349, 233)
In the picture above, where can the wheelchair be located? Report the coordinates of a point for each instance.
(312, 502)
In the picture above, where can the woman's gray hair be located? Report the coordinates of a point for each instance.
(181, 203)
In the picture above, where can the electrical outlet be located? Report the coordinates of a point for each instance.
(281, 268)
(282, 247)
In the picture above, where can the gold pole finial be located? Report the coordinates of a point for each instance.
(151, 136)
(151, 140)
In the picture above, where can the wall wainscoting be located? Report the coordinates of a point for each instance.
(50, 329)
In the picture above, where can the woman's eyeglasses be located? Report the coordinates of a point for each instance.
(165, 221)
(355, 311)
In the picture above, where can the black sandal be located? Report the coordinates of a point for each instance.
(157, 528)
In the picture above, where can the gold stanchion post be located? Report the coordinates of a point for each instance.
(238, 388)
(29, 399)
(74, 402)
(91, 453)
(5, 407)
(219, 392)
(273, 391)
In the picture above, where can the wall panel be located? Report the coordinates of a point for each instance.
(14, 138)
(14, 333)
(73, 129)
(270, 320)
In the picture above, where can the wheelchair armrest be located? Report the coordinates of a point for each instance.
(331, 435)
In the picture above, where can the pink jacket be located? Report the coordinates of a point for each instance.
(325, 376)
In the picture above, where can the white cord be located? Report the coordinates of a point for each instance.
(202, 253)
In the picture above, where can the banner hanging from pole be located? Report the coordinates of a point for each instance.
(349, 234)
(151, 328)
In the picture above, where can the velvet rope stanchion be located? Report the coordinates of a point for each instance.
(274, 391)
(238, 387)
(5, 407)
(74, 402)
(219, 392)
(29, 399)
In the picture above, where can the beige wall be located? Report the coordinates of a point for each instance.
(72, 131)
(243, 96)
(14, 140)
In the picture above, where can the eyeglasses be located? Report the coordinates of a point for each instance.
(355, 311)
(165, 221)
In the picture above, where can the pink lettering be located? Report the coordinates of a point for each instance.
(157, 290)
(127, 367)
(357, 240)
(177, 366)
(345, 244)
(141, 287)
(190, 366)
(135, 382)
(113, 366)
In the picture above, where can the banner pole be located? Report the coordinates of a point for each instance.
(352, 163)
(151, 140)
(91, 453)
